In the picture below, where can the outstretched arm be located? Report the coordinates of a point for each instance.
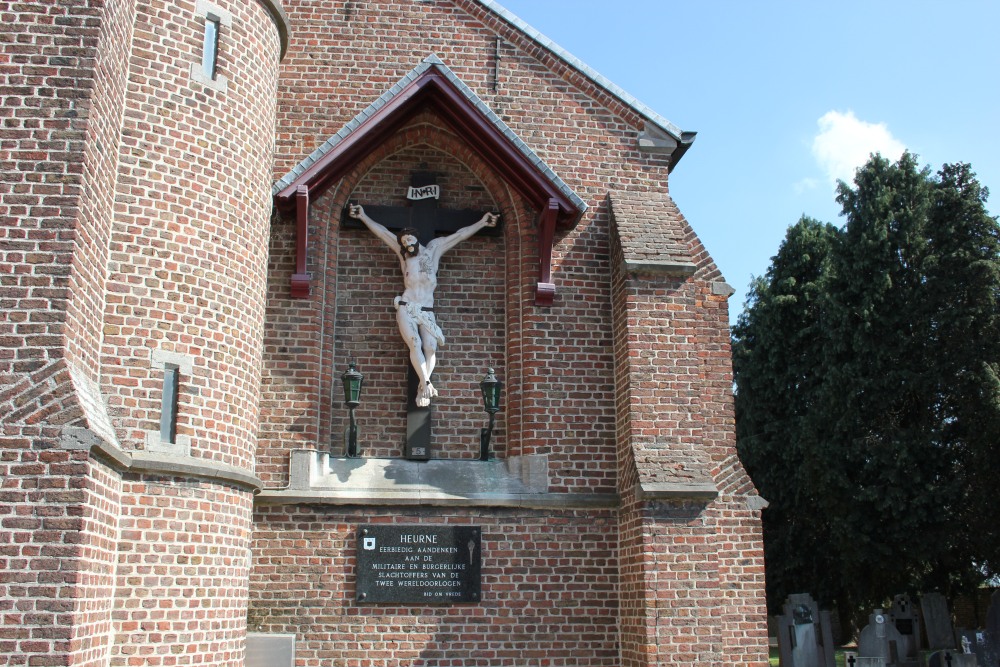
(356, 211)
(448, 242)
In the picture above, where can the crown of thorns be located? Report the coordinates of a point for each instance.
(407, 231)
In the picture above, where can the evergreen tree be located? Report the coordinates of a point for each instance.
(776, 341)
(868, 399)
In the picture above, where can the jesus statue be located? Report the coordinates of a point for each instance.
(415, 307)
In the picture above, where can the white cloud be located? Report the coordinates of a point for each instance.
(844, 143)
(805, 185)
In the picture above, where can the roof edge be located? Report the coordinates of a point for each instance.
(432, 63)
(684, 139)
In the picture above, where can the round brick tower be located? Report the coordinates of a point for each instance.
(182, 320)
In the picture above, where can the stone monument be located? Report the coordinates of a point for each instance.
(937, 621)
(952, 658)
(907, 621)
(805, 638)
(991, 634)
(880, 643)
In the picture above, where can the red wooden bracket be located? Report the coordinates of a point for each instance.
(301, 279)
(546, 290)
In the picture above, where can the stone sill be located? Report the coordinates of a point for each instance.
(699, 491)
(521, 481)
(377, 498)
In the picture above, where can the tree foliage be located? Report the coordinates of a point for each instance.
(867, 368)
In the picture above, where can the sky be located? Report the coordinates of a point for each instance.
(787, 97)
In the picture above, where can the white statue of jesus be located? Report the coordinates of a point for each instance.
(415, 308)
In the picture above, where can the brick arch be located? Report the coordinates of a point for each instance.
(426, 131)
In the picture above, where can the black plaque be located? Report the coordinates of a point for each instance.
(418, 564)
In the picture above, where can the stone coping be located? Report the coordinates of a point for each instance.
(157, 463)
(671, 267)
(281, 23)
(672, 491)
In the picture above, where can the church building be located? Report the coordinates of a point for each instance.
(355, 333)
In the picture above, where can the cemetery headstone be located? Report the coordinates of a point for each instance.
(907, 621)
(880, 639)
(950, 658)
(937, 621)
(991, 635)
(973, 642)
(805, 638)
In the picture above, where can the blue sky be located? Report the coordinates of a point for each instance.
(787, 97)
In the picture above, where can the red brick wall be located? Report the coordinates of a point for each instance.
(557, 360)
(107, 152)
(98, 555)
(182, 574)
(569, 394)
(186, 275)
(46, 76)
(188, 260)
(548, 591)
(103, 113)
(134, 212)
(692, 571)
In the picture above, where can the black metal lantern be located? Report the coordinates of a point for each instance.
(353, 380)
(490, 388)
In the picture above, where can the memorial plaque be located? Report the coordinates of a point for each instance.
(418, 564)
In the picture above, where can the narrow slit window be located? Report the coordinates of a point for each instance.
(168, 411)
(210, 47)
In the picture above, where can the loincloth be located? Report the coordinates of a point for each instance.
(422, 315)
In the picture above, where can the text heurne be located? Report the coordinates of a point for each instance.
(418, 539)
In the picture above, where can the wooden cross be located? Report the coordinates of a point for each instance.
(429, 221)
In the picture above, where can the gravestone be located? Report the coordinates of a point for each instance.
(805, 638)
(951, 658)
(852, 659)
(880, 642)
(973, 642)
(907, 621)
(937, 621)
(991, 635)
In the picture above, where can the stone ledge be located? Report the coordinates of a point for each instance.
(702, 491)
(78, 438)
(310, 470)
(150, 462)
(382, 498)
(521, 481)
(670, 267)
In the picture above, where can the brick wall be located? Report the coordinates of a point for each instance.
(47, 74)
(188, 245)
(548, 592)
(598, 392)
(186, 276)
(182, 570)
(105, 146)
(135, 221)
(693, 571)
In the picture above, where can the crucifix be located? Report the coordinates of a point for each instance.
(406, 231)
